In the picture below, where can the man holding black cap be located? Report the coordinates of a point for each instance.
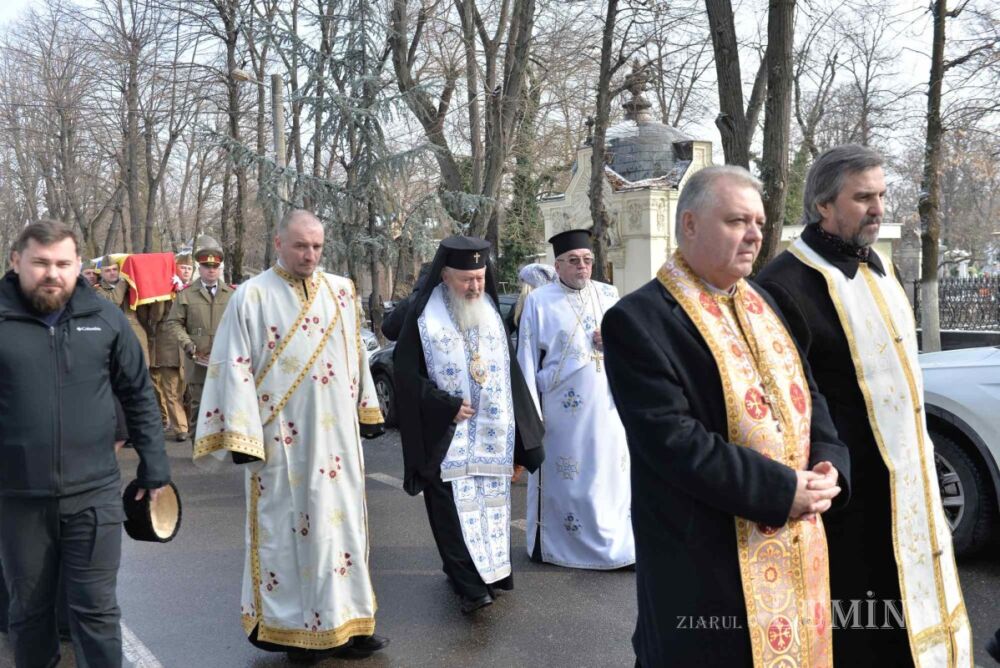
(66, 355)
(193, 319)
(466, 418)
(579, 501)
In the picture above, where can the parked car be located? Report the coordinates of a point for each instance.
(962, 398)
(369, 339)
(381, 365)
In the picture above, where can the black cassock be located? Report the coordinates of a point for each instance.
(862, 559)
(426, 426)
(689, 482)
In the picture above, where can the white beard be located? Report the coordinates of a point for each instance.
(469, 314)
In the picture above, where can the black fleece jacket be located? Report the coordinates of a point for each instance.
(57, 389)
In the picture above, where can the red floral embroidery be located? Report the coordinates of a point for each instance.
(243, 364)
(779, 634)
(273, 337)
(709, 304)
(325, 373)
(332, 470)
(317, 623)
(755, 404)
(345, 564)
(766, 530)
(214, 418)
(302, 528)
(754, 304)
(798, 398)
(287, 434)
(272, 581)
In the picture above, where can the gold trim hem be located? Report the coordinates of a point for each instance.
(229, 440)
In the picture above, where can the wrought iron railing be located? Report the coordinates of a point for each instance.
(970, 304)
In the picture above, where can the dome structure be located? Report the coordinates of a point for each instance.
(640, 147)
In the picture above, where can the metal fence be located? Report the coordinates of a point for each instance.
(969, 304)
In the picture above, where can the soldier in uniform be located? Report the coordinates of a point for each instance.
(165, 360)
(115, 290)
(195, 315)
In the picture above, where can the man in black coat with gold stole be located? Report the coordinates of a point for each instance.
(734, 455)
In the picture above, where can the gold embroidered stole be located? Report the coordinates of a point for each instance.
(785, 570)
(275, 389)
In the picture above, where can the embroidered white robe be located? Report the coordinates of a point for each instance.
(288, 383)
(581, 496)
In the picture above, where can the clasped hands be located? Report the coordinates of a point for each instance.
(814, 491)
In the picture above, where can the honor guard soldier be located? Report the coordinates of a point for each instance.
(115, 290)
(195, 316)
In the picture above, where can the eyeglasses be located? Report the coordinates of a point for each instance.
(579, 261)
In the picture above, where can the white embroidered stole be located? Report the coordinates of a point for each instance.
(881, 333)
(483, 444)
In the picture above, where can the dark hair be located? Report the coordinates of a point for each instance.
(826, 176)
(45, 232)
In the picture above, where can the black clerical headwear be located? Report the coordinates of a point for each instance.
(565, 242)
(465, 252)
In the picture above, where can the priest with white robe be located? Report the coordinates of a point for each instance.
(579, 501)
(465, 418)
(289, 395)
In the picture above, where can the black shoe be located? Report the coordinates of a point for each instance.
(993, 646)
(181, 436)
(360, 647)
(470, 605)
(302, 657)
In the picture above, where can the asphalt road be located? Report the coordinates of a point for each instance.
(180, 601)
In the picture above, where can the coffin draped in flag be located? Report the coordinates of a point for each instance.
(150, 277)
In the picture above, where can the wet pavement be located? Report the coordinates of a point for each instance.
(180, 600)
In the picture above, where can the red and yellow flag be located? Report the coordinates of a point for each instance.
(150, 277)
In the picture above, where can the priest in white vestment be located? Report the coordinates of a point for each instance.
(579, 501)
(289, 395)
(466, 418)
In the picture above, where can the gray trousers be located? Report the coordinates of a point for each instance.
(80, 537)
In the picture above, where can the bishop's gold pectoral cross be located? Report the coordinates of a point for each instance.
(597, 357)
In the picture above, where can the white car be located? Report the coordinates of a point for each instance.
(962, 398)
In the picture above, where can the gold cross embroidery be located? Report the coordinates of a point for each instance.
(475, 257)
(772, 404)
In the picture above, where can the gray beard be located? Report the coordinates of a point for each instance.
(468, 314)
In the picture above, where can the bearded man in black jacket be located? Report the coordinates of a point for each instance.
(66, 353)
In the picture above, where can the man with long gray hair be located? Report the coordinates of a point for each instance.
(848, 313)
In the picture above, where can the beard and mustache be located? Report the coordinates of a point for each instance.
(469, 314)
(867, 233)
(48, 302)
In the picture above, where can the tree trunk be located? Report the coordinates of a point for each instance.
(132, 150)
(731, 121)
(930, 198)
(234, 252)
(777, 120)
(465, 8)
(598, 212)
